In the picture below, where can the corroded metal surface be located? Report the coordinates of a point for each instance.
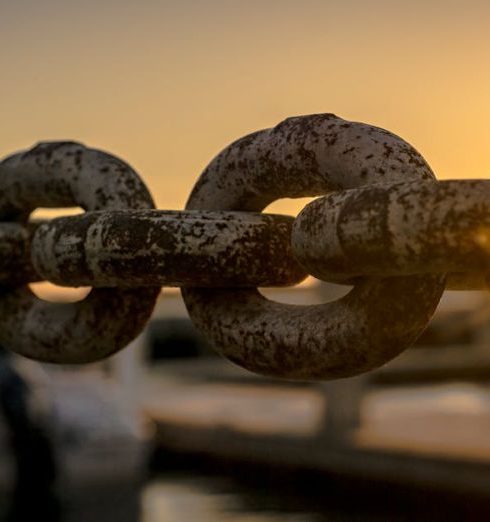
(372, 324)
(310, 156)
(305, 156)
(65, 174)
(155, 247)
(400, 229)
(15, 254)
(73, 333)
(386, 226)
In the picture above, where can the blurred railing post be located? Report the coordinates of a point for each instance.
(343, 408)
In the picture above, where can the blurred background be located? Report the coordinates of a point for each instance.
(166, 431)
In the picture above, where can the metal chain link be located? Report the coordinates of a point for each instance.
(384, 224)
(310, 156)
(399, 229)
(156, 247)
(68, 174)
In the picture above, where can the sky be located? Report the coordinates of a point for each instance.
(167, 85)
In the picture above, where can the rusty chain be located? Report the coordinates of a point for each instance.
(382, 224)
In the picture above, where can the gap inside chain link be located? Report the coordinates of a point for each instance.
(326, 292)
(46, 290)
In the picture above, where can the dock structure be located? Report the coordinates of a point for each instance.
(423, 419)
(435, 437)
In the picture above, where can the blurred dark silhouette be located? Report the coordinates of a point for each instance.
(32, 449)
(175, 338)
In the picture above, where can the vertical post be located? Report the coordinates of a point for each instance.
(343, 408)
(128, 371)
(343, 397)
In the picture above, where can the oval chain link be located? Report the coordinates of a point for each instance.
(68, 174)
(310, 156)
(383, 224)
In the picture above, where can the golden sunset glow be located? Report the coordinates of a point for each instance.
(166, 85)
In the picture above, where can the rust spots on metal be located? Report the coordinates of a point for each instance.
(303, 156)
(74, 333)
(372, 324)
(133, 248)
(310, 156)
(66, 174)
(399, 229)
(15, 254)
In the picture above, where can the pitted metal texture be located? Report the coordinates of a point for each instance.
(305, 156)
(15, 254)
(66, 174)
(400, 229)
(383, 224)
(154, 247)
(311, 156)
(73, 333)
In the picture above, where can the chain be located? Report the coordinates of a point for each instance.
(382, 224)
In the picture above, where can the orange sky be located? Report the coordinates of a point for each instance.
(166, 85)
